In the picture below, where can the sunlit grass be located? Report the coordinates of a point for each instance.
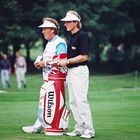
(114, 102)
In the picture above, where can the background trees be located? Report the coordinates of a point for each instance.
(113, 28)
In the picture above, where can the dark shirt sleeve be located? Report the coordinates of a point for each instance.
(84, 43)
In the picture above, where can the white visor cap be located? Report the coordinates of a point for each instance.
(70, 17)
(47, 24)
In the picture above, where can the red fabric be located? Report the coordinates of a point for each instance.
(61, 56)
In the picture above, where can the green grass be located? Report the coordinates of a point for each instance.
(114, 101)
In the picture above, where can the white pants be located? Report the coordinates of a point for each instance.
(20, 74)
(78, 82)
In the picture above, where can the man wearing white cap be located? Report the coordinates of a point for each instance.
(78, 76)
(55, 48)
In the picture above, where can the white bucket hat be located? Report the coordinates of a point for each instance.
(47, 24)
(71, 17)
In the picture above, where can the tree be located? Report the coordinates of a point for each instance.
(106, 22)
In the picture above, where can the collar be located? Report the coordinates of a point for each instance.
(76, 32)
(54, 38)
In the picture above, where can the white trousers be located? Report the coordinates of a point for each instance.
(20, 74)
(78, 83)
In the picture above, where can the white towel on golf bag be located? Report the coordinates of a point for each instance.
(64, 121)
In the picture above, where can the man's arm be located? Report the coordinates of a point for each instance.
(74, 60)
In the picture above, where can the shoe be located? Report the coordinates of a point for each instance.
(9, 86)
(24, 86)
(74, 133)
(30, 129)
(87, 135)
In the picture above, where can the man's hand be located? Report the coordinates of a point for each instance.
(63, 63)
(39, 65)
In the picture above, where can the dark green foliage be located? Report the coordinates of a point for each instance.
(106, 21)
